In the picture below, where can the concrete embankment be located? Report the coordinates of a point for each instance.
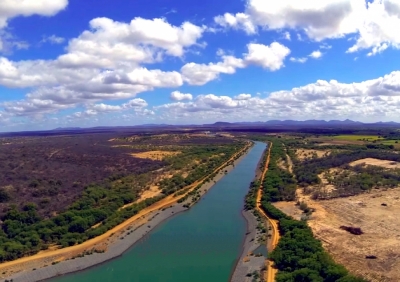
(118, 243)
(248, 262)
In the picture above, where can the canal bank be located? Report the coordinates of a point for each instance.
(192, 241)
(251, 260)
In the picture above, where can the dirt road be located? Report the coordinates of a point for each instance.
(87, 245)
(271, 272)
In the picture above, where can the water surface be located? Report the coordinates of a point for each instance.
(199, 245)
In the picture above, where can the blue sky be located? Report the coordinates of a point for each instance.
(100, 62)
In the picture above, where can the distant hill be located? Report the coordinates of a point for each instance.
(66, 128)
(311, 122)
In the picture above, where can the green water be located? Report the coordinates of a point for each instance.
(200, 245)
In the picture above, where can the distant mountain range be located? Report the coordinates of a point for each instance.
(66, 128)
(312, 122)
(220, 124)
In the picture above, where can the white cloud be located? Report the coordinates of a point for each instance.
(110, 43)
(8, 42)
(200, 74)
(318, 19)
(372, 99)
(377, 32)
(103, 63)
(238, 21)
(316, 54)
(269, 57)
(287, 36)
(372, 22)
(53, 39)
(301, 60)
(11, 8)
(143, 76)
(178, 96)
(136, 105)
(242, 97)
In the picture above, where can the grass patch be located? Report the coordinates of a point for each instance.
(358, 137)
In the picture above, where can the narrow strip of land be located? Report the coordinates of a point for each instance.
(87, 245)
(271, 272)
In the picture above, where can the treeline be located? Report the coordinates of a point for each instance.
(251, 197)
(317, 145)
(299, 256)
(208, 158)
(24, 232)
(280, 185)
(307, 171)
(355, 180)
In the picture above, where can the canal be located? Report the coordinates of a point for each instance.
(199, 245)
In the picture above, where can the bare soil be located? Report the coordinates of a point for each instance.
(303, 154)
(375, 213)
(154, 155)
(376, 162)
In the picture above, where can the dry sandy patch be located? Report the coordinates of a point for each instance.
(152, 192)
(376, 162)
(154, 155)
(303, 154)
(376, 214)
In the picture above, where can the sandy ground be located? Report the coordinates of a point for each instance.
(154, 155)
(248, 262)
(379, 223)
(376, 162)
(38, 267)
(152, 192)
(303, 154)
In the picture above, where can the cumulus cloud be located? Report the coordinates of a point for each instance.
(103, 63)
(376, 32)
(10, 8)
(136, 105)
(238, 21)
(200, 74)
(376, 98)
(269, 57)
(316, 54)
(178, 96)
(371, 21)
(242, 97)
(109, 43)
(318, 19)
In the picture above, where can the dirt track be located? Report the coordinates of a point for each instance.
(88, 245)
(271, 272)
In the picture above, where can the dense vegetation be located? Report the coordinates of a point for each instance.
(280, 184)
(99, 207)
(53, 171)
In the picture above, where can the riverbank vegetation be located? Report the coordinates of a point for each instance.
(299, 256)
(30, 226)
